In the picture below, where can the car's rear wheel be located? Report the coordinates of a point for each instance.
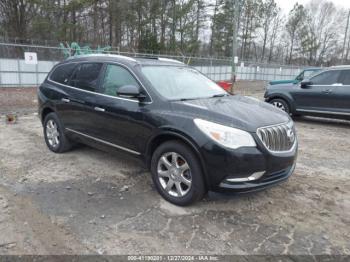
(54, 136)
(177, 174)
(281, 104)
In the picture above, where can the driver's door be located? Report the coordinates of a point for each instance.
(118, 120)
(319, 95)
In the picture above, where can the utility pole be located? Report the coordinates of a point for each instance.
(345, 37)
(235, 6)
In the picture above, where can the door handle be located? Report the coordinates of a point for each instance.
(66, 100)
(100, 109)
(328, 91)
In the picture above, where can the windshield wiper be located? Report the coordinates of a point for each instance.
(196, 98)
(220, 95)
(187, 99)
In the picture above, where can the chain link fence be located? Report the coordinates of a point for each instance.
(14, 72)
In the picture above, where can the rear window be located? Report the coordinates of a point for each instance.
(62, 73)
(86, 75)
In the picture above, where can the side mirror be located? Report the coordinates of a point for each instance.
(130, 91)
(305, 83)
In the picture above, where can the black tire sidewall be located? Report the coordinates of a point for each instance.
(64, 144)
(197, 190)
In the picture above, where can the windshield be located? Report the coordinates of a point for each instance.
(181, 83)
(310, 73)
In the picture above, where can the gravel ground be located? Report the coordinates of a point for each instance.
(90, 202)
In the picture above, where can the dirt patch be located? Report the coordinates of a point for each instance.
(18, 100)
(77, 202)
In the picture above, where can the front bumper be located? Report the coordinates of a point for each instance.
(266, 181)
(246, 169)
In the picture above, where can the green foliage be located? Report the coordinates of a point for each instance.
(74, 49)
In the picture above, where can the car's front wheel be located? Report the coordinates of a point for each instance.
(281, 104)
(177, 174)
(55, 138)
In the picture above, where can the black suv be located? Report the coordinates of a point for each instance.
(326, 94)
(192, 135)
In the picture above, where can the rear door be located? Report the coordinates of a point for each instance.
(320, 95)
(58, 91)
(342, 93)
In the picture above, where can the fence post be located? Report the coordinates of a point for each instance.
(211, 72)
(19, 73)
(0, 76)
(37, 74)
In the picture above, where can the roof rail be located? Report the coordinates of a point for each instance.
(169, 60)
(107, 55)
(340, 66)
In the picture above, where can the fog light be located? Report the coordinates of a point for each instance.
(254, 176)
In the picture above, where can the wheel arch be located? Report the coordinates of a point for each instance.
(45, 111)
(169, 135)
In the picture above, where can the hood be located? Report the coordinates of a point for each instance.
(241, 112)
(278, 82)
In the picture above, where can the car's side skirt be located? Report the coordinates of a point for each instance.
(104, 142)
(323, 112)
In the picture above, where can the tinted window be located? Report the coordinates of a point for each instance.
(86, 76)
(345, 77)
(326, 78)
(115, 77)
(62, 73)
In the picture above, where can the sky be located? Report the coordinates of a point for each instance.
(287, 5)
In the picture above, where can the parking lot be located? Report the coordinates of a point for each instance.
(90, 202)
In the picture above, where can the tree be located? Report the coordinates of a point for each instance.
(295, 21)
(310, 34)
(269, 11)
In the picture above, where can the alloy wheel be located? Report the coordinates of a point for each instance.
(174, 174)
(52, 133)
(279, 105)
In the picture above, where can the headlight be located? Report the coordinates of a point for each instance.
(227, 136)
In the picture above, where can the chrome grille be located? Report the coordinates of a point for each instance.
(278, 138)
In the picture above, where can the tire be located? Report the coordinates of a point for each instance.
(169, 172)
(281, 104)
(54, 135)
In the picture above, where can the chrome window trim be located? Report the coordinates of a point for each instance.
(273, 151)
(90, 92)
(104, 142)
(323, 112)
